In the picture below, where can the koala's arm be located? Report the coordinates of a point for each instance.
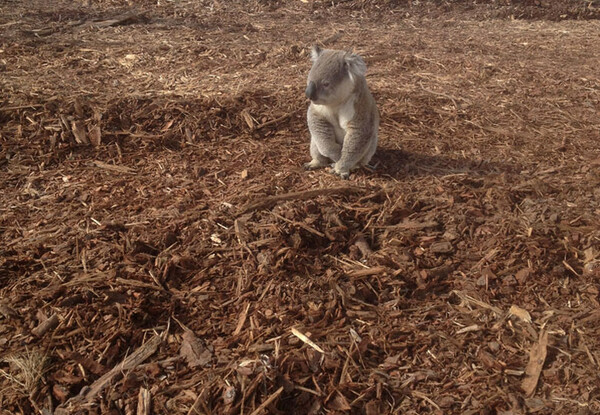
(322, 135)
(357, 142)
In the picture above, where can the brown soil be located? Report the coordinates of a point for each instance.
(163, 251)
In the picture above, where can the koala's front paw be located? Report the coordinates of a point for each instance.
(345, 175)
(340, 171)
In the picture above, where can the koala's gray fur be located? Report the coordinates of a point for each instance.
(342, 117)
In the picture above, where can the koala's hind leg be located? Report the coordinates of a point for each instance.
(318, 159)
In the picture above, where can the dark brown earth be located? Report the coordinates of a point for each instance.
(163, 251)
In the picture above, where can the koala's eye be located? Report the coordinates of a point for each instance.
(325, 83)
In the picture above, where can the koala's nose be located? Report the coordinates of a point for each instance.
(311, 90)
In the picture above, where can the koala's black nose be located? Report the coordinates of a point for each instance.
(311, 90)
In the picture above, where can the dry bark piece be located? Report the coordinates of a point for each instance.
(194, 351)
(363, 246)
(133, 360)
(78, 129)
(60, 392)
(144, 405)
(241, 320)
(95, 136)
(441, 247)
(468, 299)
(592, 269)
(49, 324)
(364, 272)
(408, 224)
(372, 408)
(229, 394)
(123, 20)
(523, 275)
(8, 312)
(520, 313)
(488, 360)
(338, 403)
(537, 357)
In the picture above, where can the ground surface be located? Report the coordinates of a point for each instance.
(160, 242)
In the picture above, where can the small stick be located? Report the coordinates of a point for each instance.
(20, 107)
(306, 340)
(199, 407)
(270, 201)
(113, 167)
(411, 225)
(271, 122)
(130, 362)
(468, 299)
(366, 272)
(268, 401)
(426, 399)
(242, 320)
(302, 225)
(46, 325)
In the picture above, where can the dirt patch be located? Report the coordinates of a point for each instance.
(162, 247)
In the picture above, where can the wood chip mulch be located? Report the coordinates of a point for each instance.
(162, 251)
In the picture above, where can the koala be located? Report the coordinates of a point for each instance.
(343, 118)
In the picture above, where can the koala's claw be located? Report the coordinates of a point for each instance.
(345, 175)
(312, 165)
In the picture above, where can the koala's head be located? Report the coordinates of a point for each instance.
(333, 75)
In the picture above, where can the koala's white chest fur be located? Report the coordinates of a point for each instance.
(338, 116)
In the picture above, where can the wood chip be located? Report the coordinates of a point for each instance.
(306, 340)
(241, 320)
(194, 351)
(363, 246)
(441, 247)
(537, 357)
(95, 136)
(144, 402)
(364, 272)
(46, 326)
(78, 129)
(8, 312)
(520, 313)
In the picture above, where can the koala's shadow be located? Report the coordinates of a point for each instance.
(401, 164)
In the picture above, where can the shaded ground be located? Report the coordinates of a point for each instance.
(152, 186)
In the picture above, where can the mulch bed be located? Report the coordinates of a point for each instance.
(163, 251)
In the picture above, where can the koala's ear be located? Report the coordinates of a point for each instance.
(315, 52)
(356, 65)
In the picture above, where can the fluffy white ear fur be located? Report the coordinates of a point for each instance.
(315, 52)
(356, 65)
